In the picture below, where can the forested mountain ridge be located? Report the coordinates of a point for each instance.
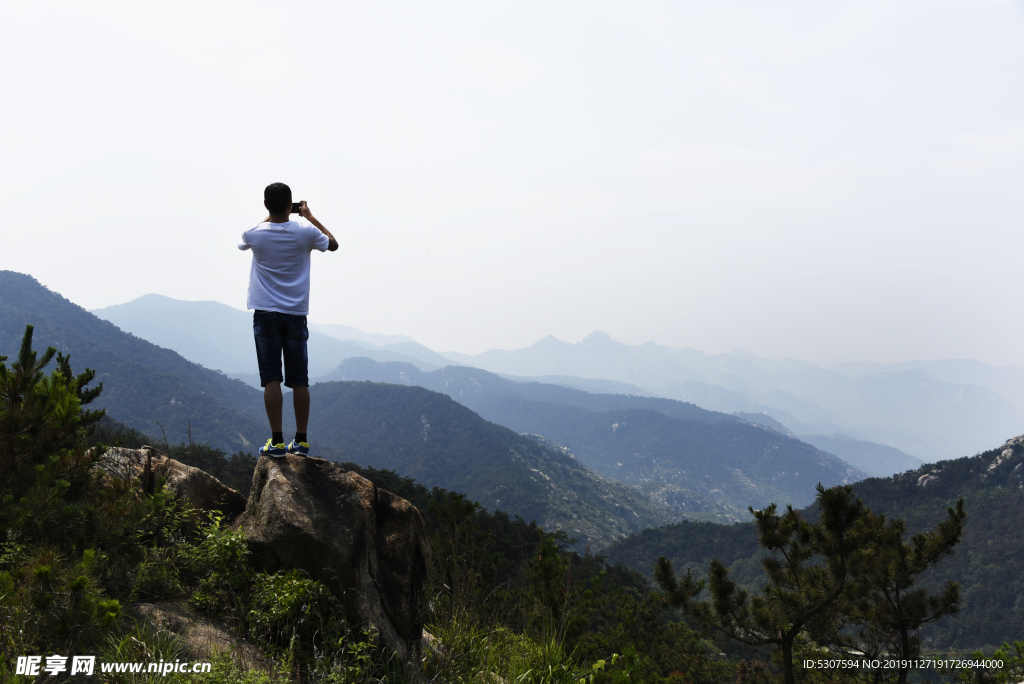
(142, 383)
(692, 459)
(471, 385)
(988, 563)
(427, 436)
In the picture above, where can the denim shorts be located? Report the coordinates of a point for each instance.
(277, 334)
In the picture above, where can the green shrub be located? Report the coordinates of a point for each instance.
(1012, 671)
(287, 614)
(49, 599)
(292, 609)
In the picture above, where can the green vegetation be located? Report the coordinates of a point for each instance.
(58, 530)
(79, 543)
(1011, 672)
(845, 584)
(509, 598)
(987, 563)
(889, 616)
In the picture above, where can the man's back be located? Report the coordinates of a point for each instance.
(279, 276)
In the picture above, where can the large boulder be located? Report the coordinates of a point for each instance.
(367, 545)
(196, 486)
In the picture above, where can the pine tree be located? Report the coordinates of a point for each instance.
(43, 431)
(810, 576)
(850, 569)
(39, 415)
(51, 522)
(894, 609)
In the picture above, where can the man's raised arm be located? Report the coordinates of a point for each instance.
(332, 244)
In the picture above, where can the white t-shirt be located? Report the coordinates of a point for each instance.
(279, 278)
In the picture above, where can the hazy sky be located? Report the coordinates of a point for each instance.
(825, 181)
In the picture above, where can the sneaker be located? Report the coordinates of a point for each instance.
(300, 448)
(275, 450)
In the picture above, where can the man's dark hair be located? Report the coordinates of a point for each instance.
(277, 198)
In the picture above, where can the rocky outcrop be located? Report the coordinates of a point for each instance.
(366, 544)
(201, 636)
(198, 487)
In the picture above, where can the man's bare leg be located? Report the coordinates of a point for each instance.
(273, 401)
(300, 396)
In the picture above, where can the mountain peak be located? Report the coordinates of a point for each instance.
(549, 341)
(596, 337)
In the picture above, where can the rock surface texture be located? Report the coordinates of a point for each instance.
(366, 544)
(201, 636)
(198, 487)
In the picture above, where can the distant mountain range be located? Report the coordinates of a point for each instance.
(684, 457)
(928, 409)
(988, 564)
(924, 410)
(219, 337)
(877, 460)
(694, 460)
(346, 332)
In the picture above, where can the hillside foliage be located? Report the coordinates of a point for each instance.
(987, 564)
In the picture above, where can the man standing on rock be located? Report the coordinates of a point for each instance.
(279, 296)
